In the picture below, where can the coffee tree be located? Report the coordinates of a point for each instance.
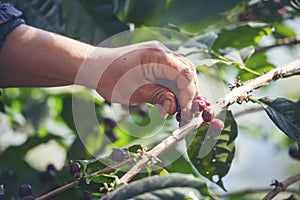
(231, 43)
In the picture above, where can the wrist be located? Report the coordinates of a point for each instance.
(92, 67)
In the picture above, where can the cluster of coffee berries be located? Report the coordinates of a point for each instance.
(201, 106)
(25, 192)
(110, 124)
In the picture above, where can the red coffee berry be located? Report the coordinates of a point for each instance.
(216, 125)
(198, 106)
(208, 114)
(74, 168)
(199, 98)
(25, 190)
(186, 115)
(203, 99)
(207, 102)
(118, 155)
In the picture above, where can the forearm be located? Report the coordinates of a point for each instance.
(32, 57)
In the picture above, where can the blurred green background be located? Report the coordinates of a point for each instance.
(36, 124)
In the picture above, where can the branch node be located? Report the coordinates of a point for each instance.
(277, 75)
(277, 185)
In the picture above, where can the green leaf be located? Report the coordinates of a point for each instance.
(100, 184)
(81, 26)
(135, 148)
(211, 153)
(140, 11)
(284, 31)
(239, 56)
(194, 16)
(96, 165)
(104, 15)
(258, 62)
(166, 187)
(242, 35)
(35, 111)
(285, 114)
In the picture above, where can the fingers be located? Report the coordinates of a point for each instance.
(166, 65)
(157, 95)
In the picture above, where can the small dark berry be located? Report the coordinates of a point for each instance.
(109, 122)
(111, 135)
(178, 116)
(186, 115)
(294, 152)
(198, 106)
(208, 114)
(216, 125)
(25, 190)
(74, 168)
(118, 155)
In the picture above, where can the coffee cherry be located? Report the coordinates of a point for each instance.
(178, 116)
(25, 190)
(294, 152)
(111, 135)
(203, 99)
(74, 168)
(208, 114)
(199, 98)
(118, 155)
(110, 123)
(216, 125)
(186, 115)
(198, 106)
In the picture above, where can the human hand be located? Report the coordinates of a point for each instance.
(148, 72)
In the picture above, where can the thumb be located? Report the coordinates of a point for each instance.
(157, 95)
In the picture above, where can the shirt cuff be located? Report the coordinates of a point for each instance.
(8, 12)
(7, 27)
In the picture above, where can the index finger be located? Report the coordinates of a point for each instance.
(187, 81)
(159, 65)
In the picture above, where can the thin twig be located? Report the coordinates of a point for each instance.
(282, 186)
(253, 191)
(58, 190)
(236, 95)
(279, 42)
(76, 182)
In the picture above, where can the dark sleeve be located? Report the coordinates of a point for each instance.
(9, 19)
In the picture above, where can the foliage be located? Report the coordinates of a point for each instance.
(285, 114)
(212, 153)
(227, 35)
(173, 186)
